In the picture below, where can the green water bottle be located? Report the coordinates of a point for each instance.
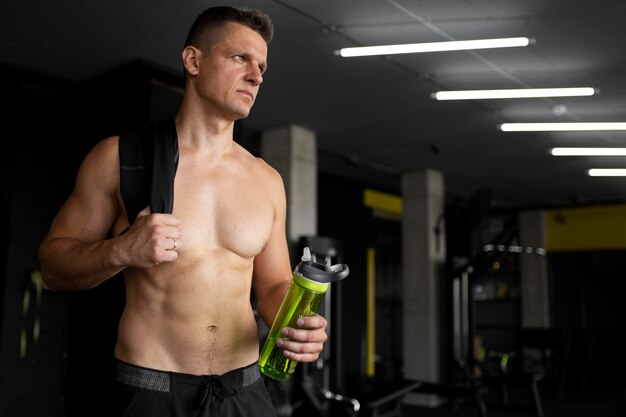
(307, 289)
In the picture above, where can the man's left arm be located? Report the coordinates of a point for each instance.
(270, 282)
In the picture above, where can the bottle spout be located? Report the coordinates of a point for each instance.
(318, 272)
(328, 265)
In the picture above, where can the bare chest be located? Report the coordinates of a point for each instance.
(221, 210)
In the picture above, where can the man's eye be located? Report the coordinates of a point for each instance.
(240, 58)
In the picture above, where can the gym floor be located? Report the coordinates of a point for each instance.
(572, 404)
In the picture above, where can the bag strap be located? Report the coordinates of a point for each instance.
(165, 164)
(148, 164)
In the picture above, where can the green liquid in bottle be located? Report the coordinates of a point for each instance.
(298, 302)
(275, 365)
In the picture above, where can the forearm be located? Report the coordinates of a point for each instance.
(69, 264)
(268, 305)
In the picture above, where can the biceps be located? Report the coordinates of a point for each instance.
(85, 215)
(272, 266)
(91, 209)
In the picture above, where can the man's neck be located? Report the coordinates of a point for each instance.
(204, 133)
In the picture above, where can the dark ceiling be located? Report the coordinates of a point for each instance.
(374, 116)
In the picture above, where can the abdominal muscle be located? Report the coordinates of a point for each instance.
(192, 315)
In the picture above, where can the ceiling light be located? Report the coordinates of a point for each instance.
(607, 172)
(412, 48)
(513, 93)
(553, 127)
(588, 151)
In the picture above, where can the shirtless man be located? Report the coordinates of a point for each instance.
(188, 318)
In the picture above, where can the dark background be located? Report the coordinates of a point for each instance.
(51, 124)
(72, 73)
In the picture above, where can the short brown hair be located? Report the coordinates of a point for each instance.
(215, 17)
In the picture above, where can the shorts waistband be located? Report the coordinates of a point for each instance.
(156, 380)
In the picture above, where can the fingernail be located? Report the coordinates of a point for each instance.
(300, 322)
(285, 332)
(280, 342)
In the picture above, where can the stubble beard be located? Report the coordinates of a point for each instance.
(240, 112)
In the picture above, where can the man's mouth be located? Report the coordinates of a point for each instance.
(248, 93)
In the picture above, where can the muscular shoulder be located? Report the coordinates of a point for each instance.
(269, 173)
(101, 165)
(264, 172)
(105, 151)
(264, 178)
(92, 207)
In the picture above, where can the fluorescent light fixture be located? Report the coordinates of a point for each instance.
(513, 93)
(588, 151)
(554, 127)
(607, 172)
(413, 48)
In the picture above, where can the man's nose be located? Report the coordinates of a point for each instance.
(255, 75)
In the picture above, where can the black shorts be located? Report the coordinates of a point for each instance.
(144, 392)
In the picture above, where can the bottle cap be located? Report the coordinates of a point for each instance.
(324, 273)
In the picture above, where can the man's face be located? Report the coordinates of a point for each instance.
(231, 71)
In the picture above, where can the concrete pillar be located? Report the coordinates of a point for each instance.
(292, 151)
(534, 271)
(423, 259)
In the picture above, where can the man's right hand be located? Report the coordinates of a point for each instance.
(77, 253)
(151, 240)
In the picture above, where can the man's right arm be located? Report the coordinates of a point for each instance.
(76, 255)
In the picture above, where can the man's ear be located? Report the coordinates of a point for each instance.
(191, 59)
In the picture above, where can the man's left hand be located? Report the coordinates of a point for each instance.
(305, 343)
